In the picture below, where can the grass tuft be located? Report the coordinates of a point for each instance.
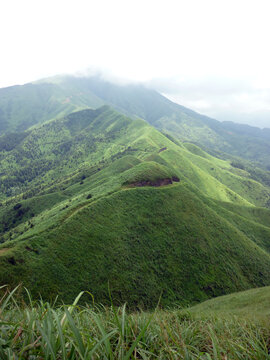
(38, 331)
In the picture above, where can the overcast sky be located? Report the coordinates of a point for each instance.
(210, 55)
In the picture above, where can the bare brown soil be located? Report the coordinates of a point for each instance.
(156, 183)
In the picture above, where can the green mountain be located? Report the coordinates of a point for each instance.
(24, 106)
(96, 198)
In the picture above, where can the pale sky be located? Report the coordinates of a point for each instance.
(210, 55)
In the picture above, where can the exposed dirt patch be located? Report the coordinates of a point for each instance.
(156, 183)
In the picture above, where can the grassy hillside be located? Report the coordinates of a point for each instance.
(253, 303)
(96, 197)
(145, 242)
(24, 106)
(235, 139)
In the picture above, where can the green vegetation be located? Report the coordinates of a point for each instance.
(250, 304)
(144, 242)
(22, 107)
(94, 197)
(42, 331)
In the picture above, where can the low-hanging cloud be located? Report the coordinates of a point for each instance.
(242, 100)
(226, 99)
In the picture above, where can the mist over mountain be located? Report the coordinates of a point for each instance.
(237, 99)
(24, 106)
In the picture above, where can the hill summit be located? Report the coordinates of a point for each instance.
(96, 198)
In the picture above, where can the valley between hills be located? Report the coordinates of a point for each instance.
(118, 192)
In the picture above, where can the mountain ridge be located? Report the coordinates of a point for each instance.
(24, 106)
(71, 221)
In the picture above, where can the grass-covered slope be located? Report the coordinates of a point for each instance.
(253, 303)
(95, 197)
(145, 242)
(24, 106)
(56, 149)
(235, 139)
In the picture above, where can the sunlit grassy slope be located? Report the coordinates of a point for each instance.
(253, 303)
(71, 219)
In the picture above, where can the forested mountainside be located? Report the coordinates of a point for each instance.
(97, 198)
(24, 106)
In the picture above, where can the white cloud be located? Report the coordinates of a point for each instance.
(139, 41)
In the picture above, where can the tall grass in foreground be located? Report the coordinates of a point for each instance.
(40, 331)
